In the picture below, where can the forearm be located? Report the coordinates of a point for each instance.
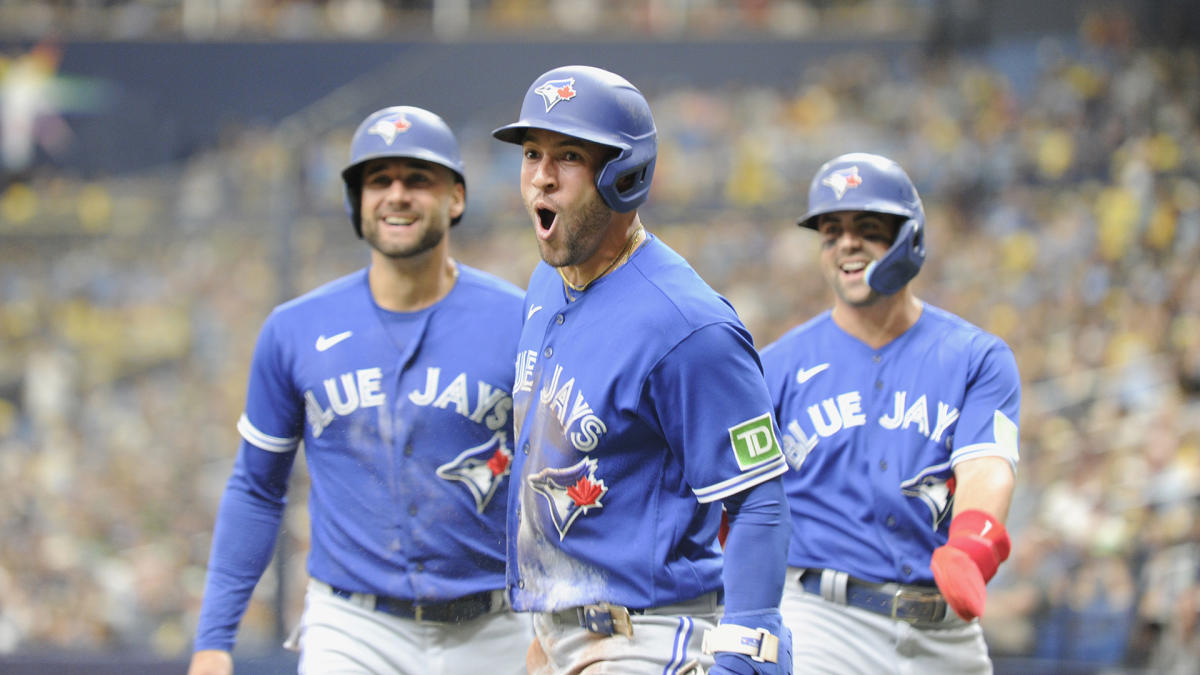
(756, 547)
(984, 484)
(247, 526)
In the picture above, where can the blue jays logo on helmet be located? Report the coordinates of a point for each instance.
(389, 129)
(841, 180)
(603, 108)
(555, 91)
(862, 181)
(400, 132)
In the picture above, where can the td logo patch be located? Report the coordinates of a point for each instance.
(754, 442)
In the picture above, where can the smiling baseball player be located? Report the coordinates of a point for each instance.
(899, 420)
(640, 410)
(397, 380)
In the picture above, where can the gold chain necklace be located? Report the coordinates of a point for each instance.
(631, 245)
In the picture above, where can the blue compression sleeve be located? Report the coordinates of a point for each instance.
(243, 541)
(756, 548)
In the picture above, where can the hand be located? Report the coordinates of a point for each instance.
(962, 567)
(211, 662)
(732, 663)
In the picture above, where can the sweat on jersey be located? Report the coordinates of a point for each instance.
(406, 424)
(639, 406)
(873, 435)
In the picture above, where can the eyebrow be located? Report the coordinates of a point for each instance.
(402, 162)
(564, 142)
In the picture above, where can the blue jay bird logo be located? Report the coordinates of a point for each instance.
(934, 490)
(480, 469)
(569, 492)
(555, 91)
(842, 180)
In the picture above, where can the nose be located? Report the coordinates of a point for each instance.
(543, 176)
(849, 240)
(396, 194)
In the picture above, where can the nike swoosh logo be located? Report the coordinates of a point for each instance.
(805, 374)
(987, 527)
(324, 343)
(532, 310)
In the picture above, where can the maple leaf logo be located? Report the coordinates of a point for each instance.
(585, 492)
(499, 462)
(566, 92)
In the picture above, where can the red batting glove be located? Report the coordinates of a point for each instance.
(977, 545)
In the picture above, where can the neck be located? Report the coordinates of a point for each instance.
(879, 323)
(619, 243)
(411, 284)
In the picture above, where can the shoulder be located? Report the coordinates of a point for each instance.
(798, 335)
(484, 284)
(956, 332)
(671, 295)
(348, 290)
(952, 334)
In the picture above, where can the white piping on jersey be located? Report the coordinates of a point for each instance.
(742, 481)
(265, 441)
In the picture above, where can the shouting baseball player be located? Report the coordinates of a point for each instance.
(899, 421)
(640, 409)
(397, 379)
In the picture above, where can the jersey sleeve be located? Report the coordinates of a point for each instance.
(274, 415)
(247, 525)
(712, 404)
(988, 422)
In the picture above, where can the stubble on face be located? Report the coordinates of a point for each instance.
(582, 227)
(434, 226)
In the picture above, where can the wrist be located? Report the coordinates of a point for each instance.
(983, 538)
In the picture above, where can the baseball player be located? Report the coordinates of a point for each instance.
(397, 379)
(640, 410)
(899, 421)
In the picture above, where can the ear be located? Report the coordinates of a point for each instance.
(458, 200)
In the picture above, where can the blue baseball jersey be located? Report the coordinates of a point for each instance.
(638, 406)
(873, 435)
(406, 422)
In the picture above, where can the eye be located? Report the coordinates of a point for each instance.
(572, 156)
(530, 153)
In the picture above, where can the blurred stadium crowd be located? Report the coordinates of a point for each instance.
(1064, 216)
(447, 19)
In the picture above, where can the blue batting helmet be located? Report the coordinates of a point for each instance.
(399, 131)
(864, 182)
(602, 107)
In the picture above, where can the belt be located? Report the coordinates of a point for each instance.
(604, 618)
(458, 610)
(921, 606)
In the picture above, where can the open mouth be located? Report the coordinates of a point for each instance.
(546, 218)
(399, 221)
(853, 267)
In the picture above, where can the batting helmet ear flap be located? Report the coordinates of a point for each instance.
(902, 261)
